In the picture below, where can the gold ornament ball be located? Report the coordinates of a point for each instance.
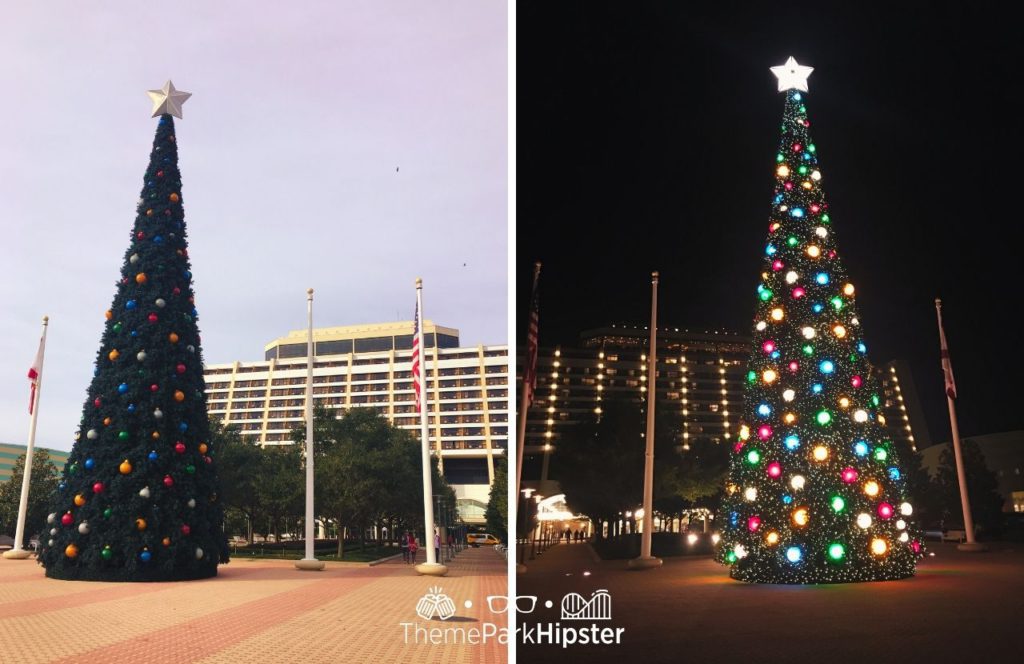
(79, 500)
(106, 421)
(175, 198)
(179, 395)
(173, 336)
(203, 447)
(113, 355)
(155, 435)
(109, 314)
(125, 467)
(140, 524)
(167, 541)
(71, 551)
(140, 278)
(149, 212)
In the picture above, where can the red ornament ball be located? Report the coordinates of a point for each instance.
(98, 487)
(185, 530)
(179, 447)
(159, 174)
(168, 481)
(67, 519)
(96, 402)
(180, 368)
(153, 318)
(176, 291)
(154, 387)
(140, 235)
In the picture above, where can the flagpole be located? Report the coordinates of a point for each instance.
(646, 560)
(309, 562)
(524, 405)
(431, 567)
(19, 535)
(965, 501)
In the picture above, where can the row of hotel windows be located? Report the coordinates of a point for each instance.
(383, 375)
(257, 407)
(374, 387)
(384, 396)
(367, 345)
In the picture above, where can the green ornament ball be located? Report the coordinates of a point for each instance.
(106, 553)
(107, 512)
(117, 327)
(190, 469)
(122, 435)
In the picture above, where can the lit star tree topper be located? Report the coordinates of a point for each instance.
(816, 492)
(168, 100)
(792, 76)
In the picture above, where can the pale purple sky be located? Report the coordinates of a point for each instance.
(288, 151)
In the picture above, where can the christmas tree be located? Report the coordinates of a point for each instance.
(138, 499)
(816, 492)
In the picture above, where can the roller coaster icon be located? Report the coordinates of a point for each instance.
(598, 607)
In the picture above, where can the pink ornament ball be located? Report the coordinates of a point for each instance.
(768, 346)
(764, 432)
(774, 470)
(885, 510)
(856, 381)
(798, 293)
(849, 475)
(777, 265)
(753, 523)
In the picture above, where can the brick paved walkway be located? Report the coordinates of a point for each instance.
(959, 607)
(254, 610)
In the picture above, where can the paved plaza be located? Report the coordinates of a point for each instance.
(959, 606)
(255, 610)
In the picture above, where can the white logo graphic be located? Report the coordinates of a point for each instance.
(599, 607)
(436, 603)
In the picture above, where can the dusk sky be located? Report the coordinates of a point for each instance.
(288, 152)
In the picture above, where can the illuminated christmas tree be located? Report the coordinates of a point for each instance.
(138, 499)
(816, 492)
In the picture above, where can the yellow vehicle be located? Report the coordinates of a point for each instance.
(481, 539)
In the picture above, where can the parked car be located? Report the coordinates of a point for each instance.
(478, 539)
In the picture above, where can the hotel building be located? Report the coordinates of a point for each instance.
(369, 366)
(703, 371)
(10, 453)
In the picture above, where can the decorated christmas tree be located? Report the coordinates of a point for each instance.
(138, 499)
(816, 492)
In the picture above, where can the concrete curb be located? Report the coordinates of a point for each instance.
(383, 560)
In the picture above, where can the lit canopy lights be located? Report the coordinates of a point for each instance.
(777, 314)
(740, 551)
(791, 277)
(765, 294)
(782, 171)
(839, 331)
(808, 332)
(860, 448)
(860, 416)
(794, 554)
(826, 367)
(821, 278)
(817, 388)
(797, 482)
(848, 290)
(801, 516)
(879, 546)
(750, 493)
(753, 457)
(836, 551)
(820, 453)
(788, 395)
(814, 251)
(764, 410)
(769, 376)
(906, 509)
(871, 488)
(881, 454)
(838, 504)
(771, 538)
(823, 417)
(864, 520)
(792, 442)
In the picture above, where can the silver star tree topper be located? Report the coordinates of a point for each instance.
(792, 76)
(168, 100)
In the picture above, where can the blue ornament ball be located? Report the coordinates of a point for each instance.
(122, 388)
(158, 239)
(152, 456)
(135, 333)
(130, 304)
(62, 486)
(89, 463)
(145, 556)
(183, 426)
(131, 408)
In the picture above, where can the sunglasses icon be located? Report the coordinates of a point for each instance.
(523, 603)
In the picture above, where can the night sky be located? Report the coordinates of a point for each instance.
(646, 140)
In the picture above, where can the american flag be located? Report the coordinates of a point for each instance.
(416, 356)
(530, 373)
(947, 366)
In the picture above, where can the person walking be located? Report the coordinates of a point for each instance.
(437, 545)
(403, 542)
(413, 546)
